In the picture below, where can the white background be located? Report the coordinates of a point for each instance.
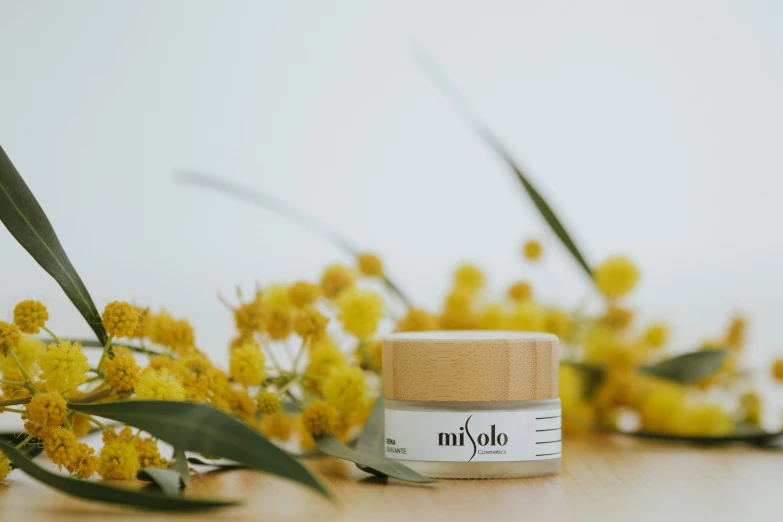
(653, 127)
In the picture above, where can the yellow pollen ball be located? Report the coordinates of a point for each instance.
(309, 322)
(159, 385)
(319, 418)
(656, 335)
(5, 467)
(60, 447)
(84, 463)
(30, 316)
(345, 389)
(616, 276)
(335, 279)
(9, 336)
(777, 370)
(520, 291)
(469, 278)
(122, 372)
(44, 413)
(532, 250)
(247, 365)
(417, 320)
(303, 294)
(118, 460)
(360, 311)
(370, 265)
(120, 318)
(268, 402)
(63, 366)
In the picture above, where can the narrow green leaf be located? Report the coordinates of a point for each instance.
(370, 441)
(688, 368)
(284, 210)
(90, 343)
(755, 437)
(168, 481)
(143, 499)
(180, 464)
(27, 222)
(447, 88)
(205, 429)
(380, 465)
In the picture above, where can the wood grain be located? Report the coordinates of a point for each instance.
(604, 479)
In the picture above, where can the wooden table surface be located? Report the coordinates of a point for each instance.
(603, 478)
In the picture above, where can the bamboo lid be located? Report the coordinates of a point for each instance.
(470, 366)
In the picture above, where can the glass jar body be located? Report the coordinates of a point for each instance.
(501, 439)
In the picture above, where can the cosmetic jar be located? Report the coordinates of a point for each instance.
(472, 404)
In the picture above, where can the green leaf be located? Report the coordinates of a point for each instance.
(180, 464)
(168, 480)
(688, 368)
(205, 429)
(380, 465)
(755, 436)
(143, 499)
(27, 222)
(450, 92)
(90, 343)
(284, 210)
(370, 441)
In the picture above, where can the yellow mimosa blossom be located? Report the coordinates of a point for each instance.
(251, 317)
(276, 296)
(527, 317)
(247, 365)
(417, 320)
(375, 354)
(370, 265)
(240, 403)
(616, 276)
(277, 426)
(617, 317)
(735, 335)
(345, 389)
(199, 377)
(705, 420)
(656, 335)
(157, 362)
(492, 316)
(468, 278)
(30, 316)
(520, 291)
(178, 335)
(360, 311)
(63, 366)
(28, 352)
(9, 336)
(122, 372)
(143, 316)
(5, 467)
(12, 373)
(309, 323)
(303, 294)
(319, 418)
(279, 323)
(777, 370)
(335, 279)
(268, 402)
(532, 250)
(118, 460)
(325, 357)
(120, 319)
(60, 447)
(558, 323)
(44, 414)
(751, 408)
(84, 463)
(661, 407)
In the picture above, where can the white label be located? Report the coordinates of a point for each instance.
(473, 436)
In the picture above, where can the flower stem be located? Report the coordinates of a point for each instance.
(93, 420)
(25, 441)
(287, 385)
(106, 347)
(51, 334)
(13, 410)
(21, 384)
(299, 353)
(27, 378)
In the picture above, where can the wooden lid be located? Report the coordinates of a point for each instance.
(470, 366)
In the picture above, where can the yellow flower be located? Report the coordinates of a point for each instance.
(148, 454)
(29, 351)
(268, 402)
(118, 460)
(344, 388)
(656, 335)
(661, 407)
(617, 317)
(279, 324)
(360, 312)
(309, 322)
(63, 366)
(303, 294)
(735, 336)
(527, 317)
(319, 418)
(159, 385)
(247, 365)
(5, 467)
(458, 301)
(532, 250)
(277, 425)
(492, 317)
(240, 403)
(571, 385)
(60, 447)
(520, 291)
(417, 320)
(157, 362)
(84, 462)
(704, 419)
(44, 413)
(9, 336)
(143, 315)
(122, 372)
(375, 354)
(777, 370)
(30, 316)
(276, 296)
(370, 265)
(178, 336)
(119, 319)
(11, 373)
(335, 279)
(751, 408)
(558, 323)
(250, 317)
(325, 357)
(616, 276)
(198, 377)
(469, 278)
